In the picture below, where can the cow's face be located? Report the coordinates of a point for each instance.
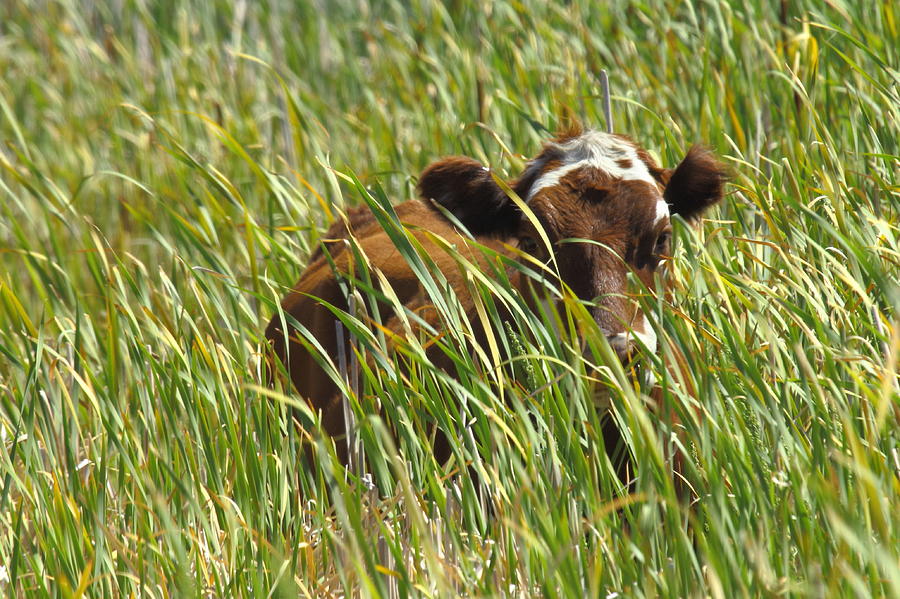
(604, 205)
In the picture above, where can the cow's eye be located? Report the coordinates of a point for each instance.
(662, 243)
(528, 245)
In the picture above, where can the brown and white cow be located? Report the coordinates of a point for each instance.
(584, 185)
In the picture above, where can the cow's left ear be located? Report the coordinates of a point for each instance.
(468, 191)
(695, 184)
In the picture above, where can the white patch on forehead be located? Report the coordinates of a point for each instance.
(602, 151)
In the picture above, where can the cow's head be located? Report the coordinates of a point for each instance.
(605, 206)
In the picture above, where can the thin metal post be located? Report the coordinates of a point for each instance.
(607, 104)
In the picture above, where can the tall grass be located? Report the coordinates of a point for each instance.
(167, 169)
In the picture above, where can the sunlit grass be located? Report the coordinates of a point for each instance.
(167, 169)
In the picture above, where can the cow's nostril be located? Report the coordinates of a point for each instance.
(622, 345)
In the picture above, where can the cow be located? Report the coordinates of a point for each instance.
(588, 185)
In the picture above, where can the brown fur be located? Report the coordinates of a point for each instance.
(618, 216)
(696, 184)
(319, 283)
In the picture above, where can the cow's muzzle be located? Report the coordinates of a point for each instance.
(624, 347)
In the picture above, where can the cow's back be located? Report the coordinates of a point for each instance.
(318, 286)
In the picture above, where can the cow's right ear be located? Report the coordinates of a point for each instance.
(695, 184)
(468, 191)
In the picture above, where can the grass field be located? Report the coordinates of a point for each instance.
(166, 168)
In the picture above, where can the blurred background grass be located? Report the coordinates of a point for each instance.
(167, 166)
